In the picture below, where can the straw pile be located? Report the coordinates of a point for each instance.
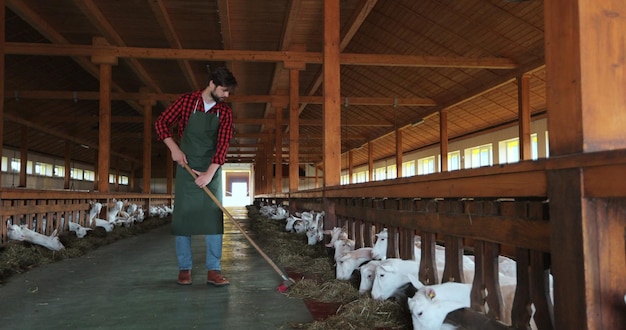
(318, 282)
(18, 257)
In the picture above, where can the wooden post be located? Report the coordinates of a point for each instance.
(294, 130)
(398, 153)
(523, 97)
(105, 63)
(2, 77)
(443, 138)
(279, 150)
(147, 104)
(332, 99)
(23, 157)
(370, 159)
(68, 163)
(587, 112)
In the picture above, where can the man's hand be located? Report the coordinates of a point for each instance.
(203, 178)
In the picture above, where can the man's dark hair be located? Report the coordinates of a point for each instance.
(223, 77)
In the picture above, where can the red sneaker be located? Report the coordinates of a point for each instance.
(215, 277)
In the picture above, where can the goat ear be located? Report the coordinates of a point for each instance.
(430, 293)
(55, 233)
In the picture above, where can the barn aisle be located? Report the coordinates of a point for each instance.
(131, 284)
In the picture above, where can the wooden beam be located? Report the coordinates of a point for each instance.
(163, 18)
(24, 48)
(2, 78)
(332, 102)
(238, 98)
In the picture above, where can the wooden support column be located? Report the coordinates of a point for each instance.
(332, 99)
(443, 139)
(23, 157)
(523, 100)
(587, 112)
(2, 77)
(147, 104)
(370, 159)
(269, 175)
(279, 150)
(350, 166)
(294, 130)
(398, 153)
(116, 184)
(96, 179)
(105, 63)
(68, 162)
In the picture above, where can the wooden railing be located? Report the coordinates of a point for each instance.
(493, 211)
(31, 207)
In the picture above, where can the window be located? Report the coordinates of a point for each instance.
(123, 180)
(76, 173)
(360, 177)
(344, 179)
(534, 148)
(454, 160)
(89, 175)
(5, 164)
(426, 165)
(408, 168)
(43, 169)
(111, 178)
(509, 151)
(391, 172)
(478, 156)
(59, 171)
(15, 164)
(380, 174)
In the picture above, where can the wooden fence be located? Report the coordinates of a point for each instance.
(42, 210)
(488, 212)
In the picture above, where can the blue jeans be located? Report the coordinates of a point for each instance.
(213, 252)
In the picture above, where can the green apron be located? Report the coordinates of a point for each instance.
(195, 213)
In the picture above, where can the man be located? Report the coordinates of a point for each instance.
(205, 127)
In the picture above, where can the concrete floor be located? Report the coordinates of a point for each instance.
(131, 284)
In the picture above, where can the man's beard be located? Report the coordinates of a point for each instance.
(215, 98)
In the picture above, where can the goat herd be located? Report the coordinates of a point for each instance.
(384, 278)
(116, 216)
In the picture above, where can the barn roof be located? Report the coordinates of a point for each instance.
(402, 62)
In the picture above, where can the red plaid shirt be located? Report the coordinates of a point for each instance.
(182, 108)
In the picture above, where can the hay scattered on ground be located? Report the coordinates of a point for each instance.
(315, 264)
(18, 257)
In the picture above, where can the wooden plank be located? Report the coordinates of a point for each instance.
(332, 106)
(569, 255)
(504, 230)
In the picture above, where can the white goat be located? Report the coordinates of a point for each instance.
(342, 246)
(391, 274)
(78, 229)
(367, 275)
(350, 261)
(93, 217)
(22, 233)
(431, 304)
(315, 231)
(335, 234)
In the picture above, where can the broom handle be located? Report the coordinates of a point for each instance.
(217, 202)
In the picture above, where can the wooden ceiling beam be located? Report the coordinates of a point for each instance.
(24, 48)
(61, 135)
(164, 21)
(39, 24)
(95, 16)
(275, 99)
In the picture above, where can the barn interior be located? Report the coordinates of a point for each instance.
(326, 90)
